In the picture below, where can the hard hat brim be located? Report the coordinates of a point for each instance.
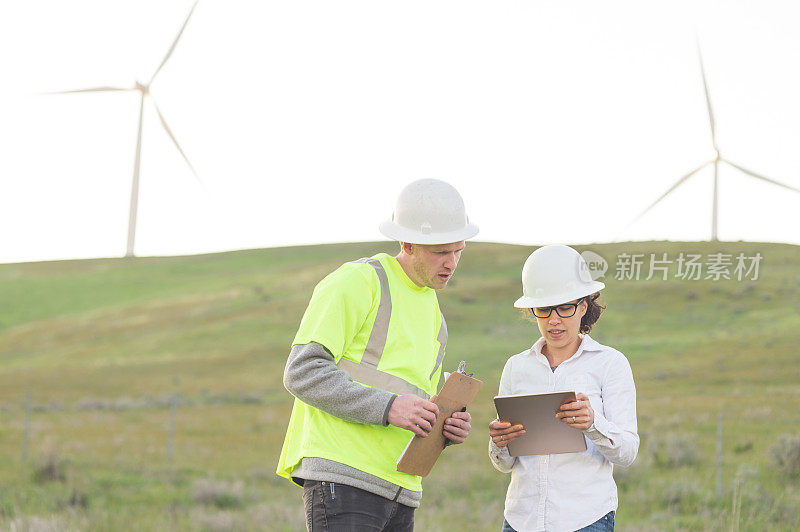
(402, 234)
(533, 302)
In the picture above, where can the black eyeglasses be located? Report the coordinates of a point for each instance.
(566, 310)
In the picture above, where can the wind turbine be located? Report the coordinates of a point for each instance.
(715, 161)
(144, 91)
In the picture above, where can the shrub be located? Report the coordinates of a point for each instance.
(78, 499)
(218, 493)
(674, 449)
(49, 468)
(785, 454)
(682, 494)
(744, 447)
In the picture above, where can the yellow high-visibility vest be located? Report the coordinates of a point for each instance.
(386, 332)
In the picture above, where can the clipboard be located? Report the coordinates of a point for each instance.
(544, 434)
(421, 453)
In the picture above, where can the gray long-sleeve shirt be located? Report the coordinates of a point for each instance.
(312, 376)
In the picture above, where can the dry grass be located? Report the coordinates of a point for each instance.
(104, 346)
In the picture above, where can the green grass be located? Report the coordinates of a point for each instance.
(102, 345)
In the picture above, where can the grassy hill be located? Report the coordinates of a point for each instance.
(110, 349)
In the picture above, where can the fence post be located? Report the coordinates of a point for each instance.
(171, 438)
(719, 456)
(27, 429)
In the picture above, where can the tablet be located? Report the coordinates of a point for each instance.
(544, 434)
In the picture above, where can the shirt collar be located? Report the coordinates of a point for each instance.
(588, 344)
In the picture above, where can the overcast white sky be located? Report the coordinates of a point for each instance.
(557, 121)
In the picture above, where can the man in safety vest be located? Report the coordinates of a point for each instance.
(364, 365)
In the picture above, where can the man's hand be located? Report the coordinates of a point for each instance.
(456, 427)
(413, 413)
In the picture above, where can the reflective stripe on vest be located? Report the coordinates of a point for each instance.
(442, 339)
(367, 371)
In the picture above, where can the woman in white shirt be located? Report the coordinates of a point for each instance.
(571, 491)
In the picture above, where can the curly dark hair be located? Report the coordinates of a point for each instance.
(593, 311)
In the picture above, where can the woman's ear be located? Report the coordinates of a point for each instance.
(584, 307)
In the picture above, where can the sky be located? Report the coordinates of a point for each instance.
(559, 122)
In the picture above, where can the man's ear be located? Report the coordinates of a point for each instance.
(407, 248)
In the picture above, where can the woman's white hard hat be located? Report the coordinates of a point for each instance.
(429, 211)
(553, 275)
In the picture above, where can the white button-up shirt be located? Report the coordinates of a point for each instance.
(572, 490)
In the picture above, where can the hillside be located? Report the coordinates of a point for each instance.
(108, 348)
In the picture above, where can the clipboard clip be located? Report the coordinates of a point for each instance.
(462, 368)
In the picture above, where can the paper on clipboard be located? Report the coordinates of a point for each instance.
(421, 453)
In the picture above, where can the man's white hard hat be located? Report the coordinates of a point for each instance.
(553, 275)
(429, 211)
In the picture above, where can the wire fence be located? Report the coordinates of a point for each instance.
(30, 411)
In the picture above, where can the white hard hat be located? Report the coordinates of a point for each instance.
(553, 275)
(429, 211)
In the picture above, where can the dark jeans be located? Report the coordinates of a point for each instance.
(604, 524)
(339, 508)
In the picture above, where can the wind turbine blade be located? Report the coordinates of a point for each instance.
(708, 99)
(93, 89)
(169, 132)
(174, 43)
(678, 183)
(761, 177)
